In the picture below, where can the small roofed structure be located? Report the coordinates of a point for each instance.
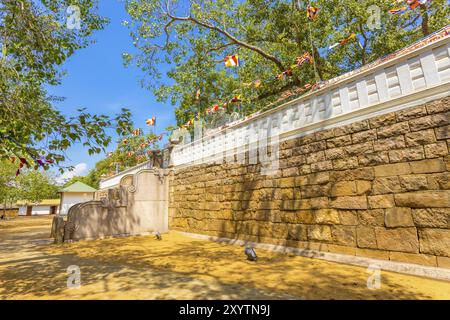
(77, 192)
(44, 207)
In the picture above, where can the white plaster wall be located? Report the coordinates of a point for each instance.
(36, 211)
(70, 199)
(22, 210)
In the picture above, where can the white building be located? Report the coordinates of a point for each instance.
(73, 194)
(47, 206)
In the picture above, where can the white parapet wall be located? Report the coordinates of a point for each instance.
(412, 76)
(114, 181)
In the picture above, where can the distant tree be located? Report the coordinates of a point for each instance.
(35, 186)
(8, 189)
(36, 37)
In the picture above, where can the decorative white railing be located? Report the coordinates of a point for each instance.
(115, 180)
(409, 77)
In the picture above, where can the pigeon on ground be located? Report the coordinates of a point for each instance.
(158, 235)
(250, 253)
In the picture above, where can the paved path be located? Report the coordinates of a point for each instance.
(31, 267)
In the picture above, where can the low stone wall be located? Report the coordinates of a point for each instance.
(376, 188)
(137, 206)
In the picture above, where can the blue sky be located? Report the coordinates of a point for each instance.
(97, 80)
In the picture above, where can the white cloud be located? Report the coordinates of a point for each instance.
(79, 170)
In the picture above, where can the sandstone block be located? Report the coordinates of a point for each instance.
(411, 113)
(392, 143)
(341, 249)
(373, 159)
(324, 134)
(375, 254)
(409, 154)
(428, 166)
(319, 233)
(383, 120)
(442, 132)
(326, 216)
(339, 141)
(432, 217)
(360, 148)
(392, 169)
(420, 137)
(363, 136)
(438, 106)
(398, 217)
(435, 241)
(386, 185)
(345, 235)
(298, 232)
(348, 217)
(381, 201)
(414, 182)
(436, 150)
(335, 153)
(398, 239)
(423, 199)
(365, 237)
(321, 166)
(346, 163)
(443, 262)
(343, 188)
(374, 217)
(350, 202)
(431, 121)
(354, 174)
(422, 259)
(393, 130)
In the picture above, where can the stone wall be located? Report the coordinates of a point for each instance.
(137, 206)
(376, 188)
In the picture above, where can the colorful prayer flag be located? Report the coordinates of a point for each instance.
(151, 122)
(397, 11)
(343, 42)
(231, 61)
(306, 57)
(312, 12)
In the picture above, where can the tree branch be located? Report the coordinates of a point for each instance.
(233, 39)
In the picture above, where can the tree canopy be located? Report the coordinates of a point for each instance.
(31, 185)
(35, 39)
(193, 37)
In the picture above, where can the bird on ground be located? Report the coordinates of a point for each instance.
(158, 235)
(250, 253)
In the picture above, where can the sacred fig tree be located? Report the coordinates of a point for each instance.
(187, 41)
(36, 37)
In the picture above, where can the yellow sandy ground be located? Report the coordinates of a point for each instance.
(180, 267)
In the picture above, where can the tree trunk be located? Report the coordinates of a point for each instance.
(424, 14)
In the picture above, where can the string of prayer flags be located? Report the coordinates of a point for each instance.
(151, 121)
(312, 12)
(343, 42)
(231, 61)
(256, 84)
(236, 98)
(306, 57)
(284, 74)
(413, 4)
(397, 11)
(22, 162)
(136, 132)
